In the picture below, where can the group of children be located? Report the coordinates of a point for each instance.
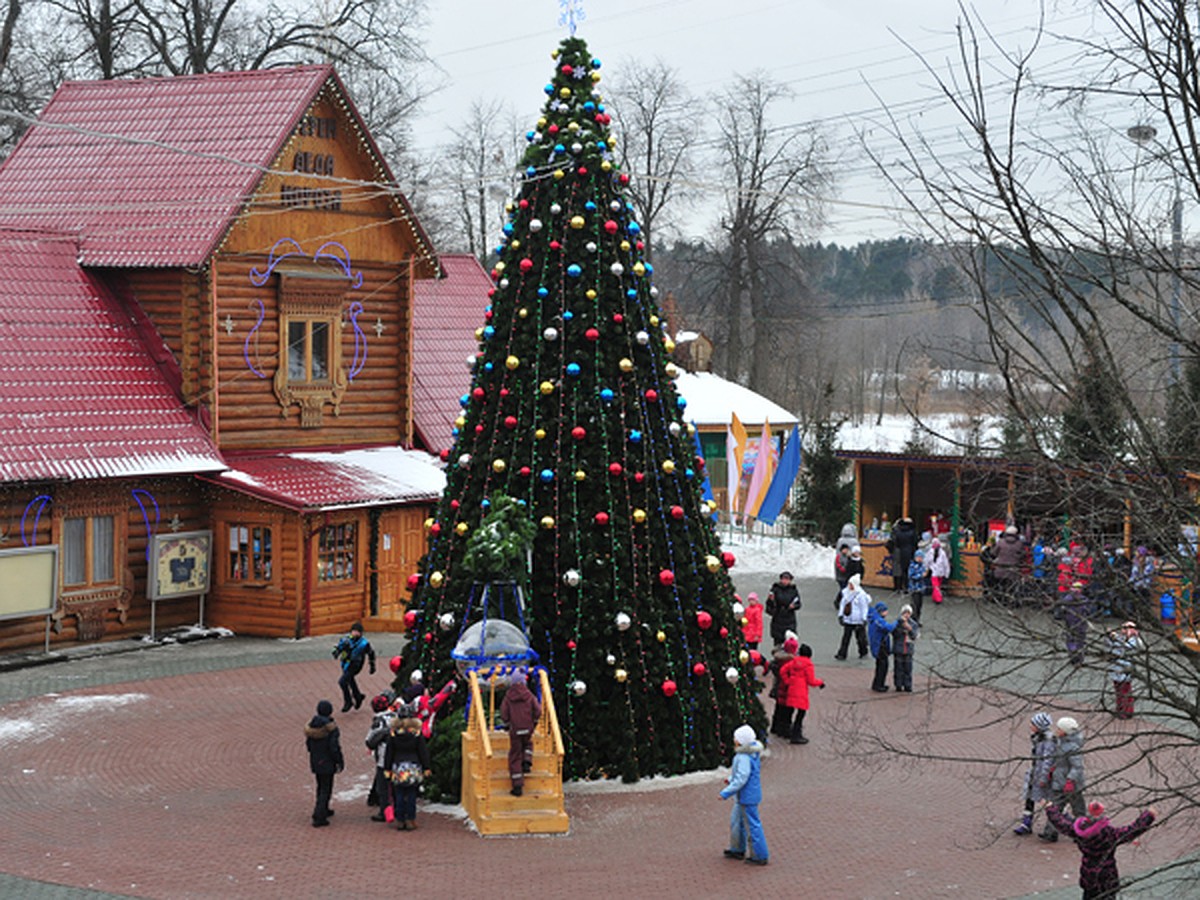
(1056, 780)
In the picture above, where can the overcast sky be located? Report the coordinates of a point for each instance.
(844, 59)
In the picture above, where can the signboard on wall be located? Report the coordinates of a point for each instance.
(179, 564)
(28, 581)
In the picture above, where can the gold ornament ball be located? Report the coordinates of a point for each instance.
(436, 579)
(509, 206)
(499, 267)
(547, 522)
(591, 293)
(460, 422)
(626, 365)
(572, 126)
(522, 313)
(712, 562)
(639, 269)
(745, 621)
(540, 434)
(428, 523)
(546, 387)
(580, 475)
(461, 528)
(559, 174)
(479, 334)
(620, 675)
(498, 465)
(625, 246)
(668, 466)
(541, 123)
(577, 222)
(606, 166)
(691, 429)
(654, 321)
(515, 244)
(564, 92)
(661, 637)
(595, 78)
(512, 362)
(639, 516)
(744, 657)
(669, 345)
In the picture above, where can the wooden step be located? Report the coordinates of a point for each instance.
(523, 822)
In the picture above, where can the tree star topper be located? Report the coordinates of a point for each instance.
(572, 14)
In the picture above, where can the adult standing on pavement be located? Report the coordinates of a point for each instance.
(321, 736)
(904, 545)
(853, 616)
(783, 602)
(1010, 559)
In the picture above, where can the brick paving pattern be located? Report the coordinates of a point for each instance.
(180, 772)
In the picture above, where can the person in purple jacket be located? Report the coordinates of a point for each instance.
(1098, 840)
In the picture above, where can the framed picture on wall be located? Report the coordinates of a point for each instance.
(179, 564)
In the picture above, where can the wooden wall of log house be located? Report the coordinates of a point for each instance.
(376, 406)
(169, 503)
(176, 301)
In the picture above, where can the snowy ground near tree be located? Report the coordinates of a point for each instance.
(772, 554)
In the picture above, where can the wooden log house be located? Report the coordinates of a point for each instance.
(208, 331)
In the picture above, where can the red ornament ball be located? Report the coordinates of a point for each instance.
(651, 395)
(728, 559)
(618, 318)
(429, 637)
(669, 688)
(479, 428)
(756, 658)
(414, 581)
(524, 204)
(676, 512)
(454, 504)
(614, 469)
(570, 645)
(601, 518)
(491, 293)
(487, 316)
(510, 422)
(666, 577)
(592, 334)
(624, 179)
(445, 454)
(583, 170)
(478, 393)
(699, 669)
(435, 529)
(579, 432)
(526, 264)
(553, 129)
(524, 471)
(555, 245)
(704, 620)
(503, 392)
(567, 69)
(611, 227)
(410, 619)
(395, 663)
(724, 632)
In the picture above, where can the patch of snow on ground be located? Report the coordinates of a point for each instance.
(46, 717)
(765, 553)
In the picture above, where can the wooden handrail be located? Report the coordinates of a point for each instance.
(478, 719)
(551, 713)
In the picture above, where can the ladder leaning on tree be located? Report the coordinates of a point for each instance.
(485, 778)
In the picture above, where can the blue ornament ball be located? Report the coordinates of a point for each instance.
(573, 368)
(574, 271)
(606, 395)
(543, 293)
(546, 475)
(635, 437)
(464, 400)
(488, 331)
(568, 315)
(680, 402)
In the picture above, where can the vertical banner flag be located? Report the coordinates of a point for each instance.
(785, 477)
(705, 488)
(764, 467)
(735, 448)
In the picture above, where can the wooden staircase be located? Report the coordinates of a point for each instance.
(485, 780)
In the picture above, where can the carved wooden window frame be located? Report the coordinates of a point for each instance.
(310, 302)
(89, 513)
(336, 557)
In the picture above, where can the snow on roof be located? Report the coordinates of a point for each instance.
(711, 400)
(943, 434)
(313, 481)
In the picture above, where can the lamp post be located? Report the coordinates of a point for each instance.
(1142, 135)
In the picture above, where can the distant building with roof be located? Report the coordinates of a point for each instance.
(208, 386)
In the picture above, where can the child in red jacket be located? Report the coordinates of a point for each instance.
(752, 621)
(795, 678)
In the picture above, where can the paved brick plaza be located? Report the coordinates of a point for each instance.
(188, 778)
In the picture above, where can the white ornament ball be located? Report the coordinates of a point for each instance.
(732, 675)
(591, 246)
(503, 282)
(535, 225)
(464, 461)
(615, 206)
(572, 578)
(471, 360)
(550, 334)
(610, 659)
(642, 337)
(623, 621)
(579, 687)
(738, 609)
(653, 291)
(617, 269)
(674, 428)
(555, 208)
(446, 621)
(577, 147)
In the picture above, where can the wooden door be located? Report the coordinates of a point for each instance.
(401, 545)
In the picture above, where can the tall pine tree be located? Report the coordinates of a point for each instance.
(572, 411)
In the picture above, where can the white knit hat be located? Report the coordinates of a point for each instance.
(1067, 725)
(744, 735)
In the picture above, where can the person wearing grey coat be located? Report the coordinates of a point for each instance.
(1067, 775)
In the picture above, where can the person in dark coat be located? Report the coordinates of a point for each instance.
(904, 545)
(407, 762)
(1011, 554)
(521, 710)
(783, 602)
(322, 738)
(1098, 840)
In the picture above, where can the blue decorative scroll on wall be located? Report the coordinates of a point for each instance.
(38, 504)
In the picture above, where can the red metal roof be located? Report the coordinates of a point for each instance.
(152, 172)
(446, 313)
(337, 479)
(80, 395)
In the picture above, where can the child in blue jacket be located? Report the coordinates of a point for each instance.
(916, 583)
(744, 781)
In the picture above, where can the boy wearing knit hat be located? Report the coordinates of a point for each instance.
(1098, 840)
(746, 839)
(352, 651)
(321, 737)
(1037, 779)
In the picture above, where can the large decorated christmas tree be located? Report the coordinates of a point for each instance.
(573, 413)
